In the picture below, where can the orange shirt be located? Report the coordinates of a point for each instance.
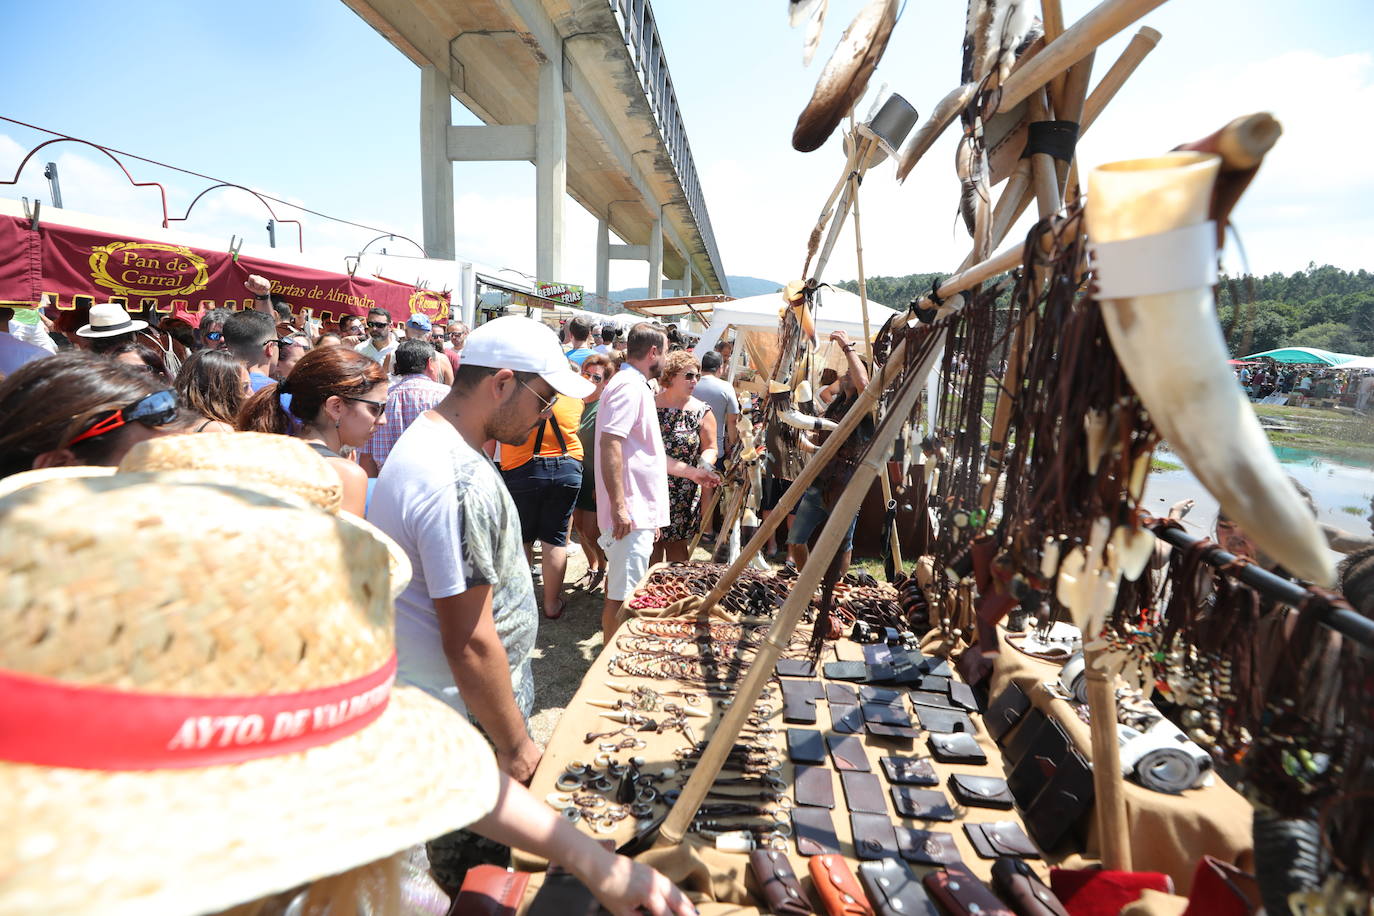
(567, 412)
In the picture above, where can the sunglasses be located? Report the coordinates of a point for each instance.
(289, 342)
(214, 336)
(156, 409)
(594, 378)
(379, 324)
(691, 376)
(545, 404)
(376, 408)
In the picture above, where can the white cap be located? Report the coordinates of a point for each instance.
(525, 345)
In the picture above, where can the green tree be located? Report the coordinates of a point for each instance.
(1329, 335)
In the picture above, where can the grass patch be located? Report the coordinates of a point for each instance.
(1352, 510)
(1160, 464)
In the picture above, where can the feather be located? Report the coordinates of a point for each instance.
(797, 10)
(846, 74)
(813, 30)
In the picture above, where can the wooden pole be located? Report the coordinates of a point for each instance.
(799, 598)
(1142, 43)
(1113, 829)
(706, 520)
(1043, 177)
(1052, 21)
(1085, 35)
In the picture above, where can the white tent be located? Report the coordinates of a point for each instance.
(755, 321)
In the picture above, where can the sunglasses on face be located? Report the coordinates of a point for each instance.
(214, 336)
(156, 409)
(545, 403)
(594, 378)
(691, 376)
(376, 408)
(379, 324)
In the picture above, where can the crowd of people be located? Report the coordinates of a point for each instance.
(1353, 388)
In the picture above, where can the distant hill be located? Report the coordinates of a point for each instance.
(740, 287)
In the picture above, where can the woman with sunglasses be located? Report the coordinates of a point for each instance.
(689, 435)
(598, 370)
(333, 399)
(78, 409)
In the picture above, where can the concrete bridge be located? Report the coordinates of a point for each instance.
(581, 89)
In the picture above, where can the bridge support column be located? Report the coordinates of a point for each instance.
(436, 171)
(551, 168)
(687, 280)
(656, 256)
(603, 258)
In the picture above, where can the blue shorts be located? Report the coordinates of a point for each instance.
(811, 514)
(543, 490)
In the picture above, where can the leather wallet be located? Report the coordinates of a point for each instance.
(779, 883)
(945, 720)
(937, 700)
(863, 792)
(879, 730)
(1001, 838)
(894, 890)
(490, 890)
(884, 695)
(878, 654)
(963, 696)
(795, 667)
(562, 894)
(813, 786)
(927, 847)
(926, 804)
(961, 894)
(845, 671)
(935, 683)
(980, 791)
(799, 701)
(815, 832)
(957, 747)
(1035, 770)
(909, 771)
(847, 720)
(1019, 885)
(873, 836)
(938, 667)
(1019, 740)
(1006, 710)
(848, 753)
(886, 715)
(1059, 807)
(843, 694)
(804, 745)
(839, 891)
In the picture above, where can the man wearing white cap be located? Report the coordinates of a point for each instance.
(465, 625)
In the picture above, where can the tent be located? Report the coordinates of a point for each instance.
(755, 320)
(1359, 362)
(1304, 355)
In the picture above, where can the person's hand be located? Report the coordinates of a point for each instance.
(1181, 508)
(622, 524)
(522, 762)
(705, 478)
(841, 338)
(258, 286)
(628, 888)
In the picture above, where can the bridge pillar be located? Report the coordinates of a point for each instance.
(436, 171)
(656, 256)
(687, 280)
(603, 258)
(551, 168)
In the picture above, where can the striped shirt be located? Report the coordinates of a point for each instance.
(409, 397)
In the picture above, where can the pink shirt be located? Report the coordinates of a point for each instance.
(627, 411)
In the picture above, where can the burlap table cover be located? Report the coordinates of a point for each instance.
(1169, 833)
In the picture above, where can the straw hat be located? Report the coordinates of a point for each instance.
(135, 587)
(108, 319)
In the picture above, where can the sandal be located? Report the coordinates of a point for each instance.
(562, 606)
(594, 578)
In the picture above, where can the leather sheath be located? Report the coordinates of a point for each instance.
(980, 791)
(894, 890)
(1036, 769)
(815, 832)
(779, 883)
(961, 894)
(848, 753)
(909, 771)
(873, 836)
(1017, 884)
(927, 847)
(490, 890)
(1061, 804)
(863, 792)
(838, 889)
(813, 786)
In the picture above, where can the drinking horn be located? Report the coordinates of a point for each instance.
(846, 74)
(1155, 262)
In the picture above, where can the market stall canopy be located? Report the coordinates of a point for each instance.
(675, 306)
(1359, 362)
(755, 321)
(1307, 355)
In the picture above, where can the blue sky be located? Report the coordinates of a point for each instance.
(302, 99)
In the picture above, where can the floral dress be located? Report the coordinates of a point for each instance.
(681, 428)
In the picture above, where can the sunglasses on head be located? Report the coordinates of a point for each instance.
(156, 409)
(376, 408)
(378, 324)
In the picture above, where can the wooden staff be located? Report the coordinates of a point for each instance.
(1113, 827)
(1052, 22)
(1085, 35)
(799, 598)
(1142, 43)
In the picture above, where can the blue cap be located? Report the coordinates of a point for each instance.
(420, 321)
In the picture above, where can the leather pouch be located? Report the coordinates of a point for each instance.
(886, 715)
(863, 792)
(842, 694)
(873, 836)
(490, 890)
(878, 654)
(884, 695)
(927, 847)
(945, 721)
(1036, 769)
(1011, 704)
(1017, 884)
(778, 883)
(909, 771)
(795, 667)
(815, 832)
(980, 791)
(937, 700)
(1001, 838)
(935, 683)
(961, 894)
(804, 745)
(938, 667)
(813, 786)
(926, 804)
(838, 889)
(1059, 807)
(1020, 739)
(963, 696)
(848, 753)
(957, 747)
(847, 720)
(846, 671)
(799, 701)
(894, 890)
(879, 730)
(562, 894)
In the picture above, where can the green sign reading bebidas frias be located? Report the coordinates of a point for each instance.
(567, 293)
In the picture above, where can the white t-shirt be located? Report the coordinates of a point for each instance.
(447, 506)
(367, 348)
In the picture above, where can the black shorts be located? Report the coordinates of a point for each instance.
(773, 488)
(543, 490)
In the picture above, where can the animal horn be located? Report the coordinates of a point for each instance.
(1147, 214)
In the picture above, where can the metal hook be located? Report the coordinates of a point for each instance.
(235, 243)
(352, 268)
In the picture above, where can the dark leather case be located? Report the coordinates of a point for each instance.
(848, 753)
(957, 748)
(927, 847)
(813, 786)
(959, 893)
(926, 804)
(814, 831)
(873, 836)
(863, 792)
(804, 745)
(778, 883)
(980, 791)
(894, 890)
(1017, 884)
(909, 771)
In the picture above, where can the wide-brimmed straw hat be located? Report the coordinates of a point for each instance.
(108, 319)
(198, 705)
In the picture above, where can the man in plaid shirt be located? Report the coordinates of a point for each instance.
(414, 391)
